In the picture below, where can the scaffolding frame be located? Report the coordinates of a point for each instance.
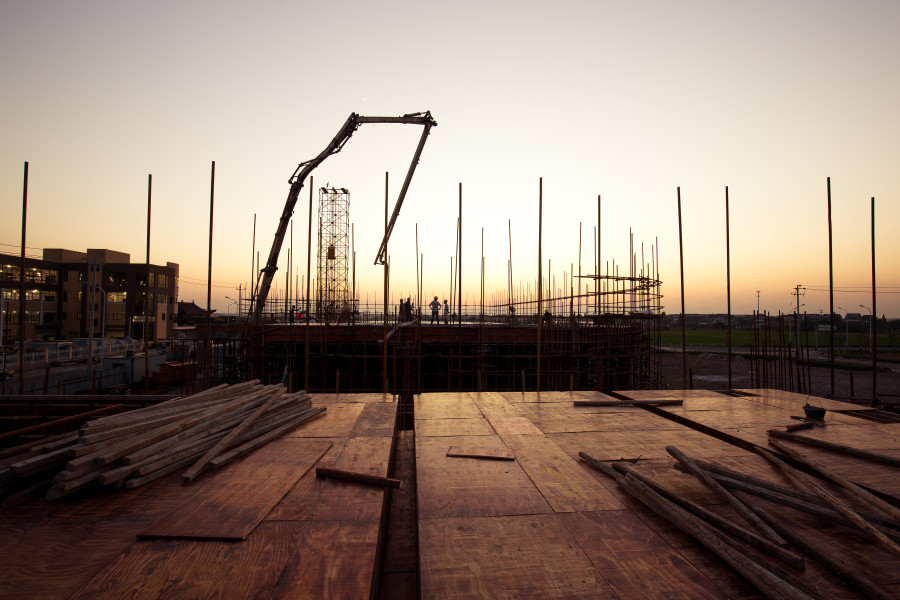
(333, 265)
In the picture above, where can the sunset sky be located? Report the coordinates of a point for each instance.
(627, 100)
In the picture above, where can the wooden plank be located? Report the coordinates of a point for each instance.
(338, 421)
(634, 559)
(363, 478)
(453, 427)
(345, 501)
(446, 405)
(334, 559)
(621, 403)
(563, 418)
(231, 504)
(188, 569)
(449, 487)
(300, 502)
(565, 483)
(481, 452)
(527, 556)
(376, 419)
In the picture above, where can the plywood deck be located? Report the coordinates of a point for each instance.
(548, 526)
(293, 535)
(543, 525)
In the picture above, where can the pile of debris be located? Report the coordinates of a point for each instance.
(208, 429)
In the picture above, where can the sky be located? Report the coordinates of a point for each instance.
(628, 101)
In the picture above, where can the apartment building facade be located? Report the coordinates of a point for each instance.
(97, 293)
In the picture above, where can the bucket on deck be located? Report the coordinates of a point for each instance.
(815, 413)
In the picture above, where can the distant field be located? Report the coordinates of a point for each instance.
(858, 342)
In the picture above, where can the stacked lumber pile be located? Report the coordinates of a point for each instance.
(205, 430)
(750, 547)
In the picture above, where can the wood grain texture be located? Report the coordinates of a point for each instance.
(188, 570)
(446, 405)
(235, 500)
(565, 484)
(377, 419)
(449, 487)
(484, 452)
(453, 427)
(334, 559)
(348, 501)
(527, 556)
(338, 420)
(634, 559)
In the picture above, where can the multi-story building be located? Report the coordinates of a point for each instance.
(99, 293)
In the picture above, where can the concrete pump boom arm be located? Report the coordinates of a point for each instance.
(267, 273)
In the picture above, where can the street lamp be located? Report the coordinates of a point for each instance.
(871, 330)
(233, 301)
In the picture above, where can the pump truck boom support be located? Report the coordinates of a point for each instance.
(267, 273)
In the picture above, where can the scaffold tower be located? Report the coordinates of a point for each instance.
(334, 252)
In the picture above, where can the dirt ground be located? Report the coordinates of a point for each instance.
(709, 371)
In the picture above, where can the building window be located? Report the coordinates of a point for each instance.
(50, 297)
(49, 318)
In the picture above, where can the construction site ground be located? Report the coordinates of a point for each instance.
(542, 525)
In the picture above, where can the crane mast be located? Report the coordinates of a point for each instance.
(296, 181)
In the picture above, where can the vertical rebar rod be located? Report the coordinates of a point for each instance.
(147, 292)
(874, 314)
(384, 371)
(728, 279)
(212, 196)
(830, 288)
(598, 261)
(540, 285)
(308, 271)
(681, 264)
(21, 357)
(459, 261)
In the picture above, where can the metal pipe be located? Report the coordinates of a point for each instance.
(728, 277)
(874, 314)
(681, 264)
(21, 361)
(830, 287)
(212, 195)
(540, 285)
(147, 291)
(308, 261)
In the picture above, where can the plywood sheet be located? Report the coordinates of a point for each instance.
(446, 406)
(494, 405)
(528, 556)
(349, 501)
(614, 445)
(796, 401)
(334, 559)
(376, 419)
(561, 418)
(189, 570)
(300, 502)
(634, 559)
(451, 427)
(338, 420)
(450, 487)
(231, 502)
(565, 483)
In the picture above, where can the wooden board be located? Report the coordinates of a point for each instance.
(561, 418)
(334, 559)
(449, 487)
(634, 559)
(347, 501)
(481, 452)
(566, 485)
(446, 405)
(338, 420)
(376, 419)
(613, 445)
(453, 427)
(188, 569)
(231, 503)
(528, 556)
